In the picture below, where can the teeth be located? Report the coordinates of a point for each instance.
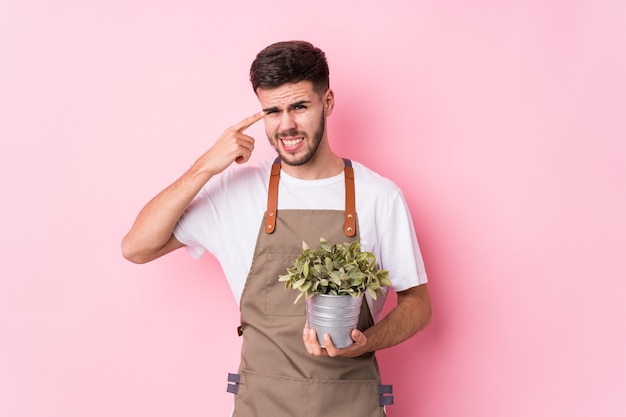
(291, 143)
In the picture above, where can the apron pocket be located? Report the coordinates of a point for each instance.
(267, 395)
(279, 301)
(352, 398)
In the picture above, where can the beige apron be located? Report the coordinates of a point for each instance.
(277, 377)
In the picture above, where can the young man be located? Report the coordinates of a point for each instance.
(256, 232)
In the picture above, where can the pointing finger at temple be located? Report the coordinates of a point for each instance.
(248, 121)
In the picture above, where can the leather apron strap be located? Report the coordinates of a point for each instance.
(272, 198)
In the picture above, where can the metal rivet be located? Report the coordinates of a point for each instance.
(349, 229)
(269, 226)
(349, 216)
(271, 214)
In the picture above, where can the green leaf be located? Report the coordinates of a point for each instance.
(329, 264)
(372, 293)
(305, 269)
(299, 283)
(335, 277)
(298, 297)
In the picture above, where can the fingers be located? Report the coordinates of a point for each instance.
(309, 337)
(358, 348)
(248, 121)
(330, 347)
(232, 145)
(244, 141)
(247, 149)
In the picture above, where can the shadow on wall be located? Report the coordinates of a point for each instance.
(353, 132)
(413, 367)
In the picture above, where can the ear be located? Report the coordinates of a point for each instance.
(329, 102)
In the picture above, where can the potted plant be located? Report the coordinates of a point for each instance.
(333, 279)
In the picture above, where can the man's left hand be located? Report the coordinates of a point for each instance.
(309, 336)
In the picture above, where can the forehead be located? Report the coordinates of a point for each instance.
(287, 94)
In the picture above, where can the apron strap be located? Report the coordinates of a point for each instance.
(272, 198)
(349, 227)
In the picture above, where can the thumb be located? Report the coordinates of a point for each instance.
(358, 337)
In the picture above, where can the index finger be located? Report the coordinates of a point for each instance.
(248, 121)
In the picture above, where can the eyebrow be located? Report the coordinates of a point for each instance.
(292, 105)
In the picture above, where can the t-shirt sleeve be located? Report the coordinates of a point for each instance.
(399, 250)
(229, 204)
(194, 250)
(192, 220)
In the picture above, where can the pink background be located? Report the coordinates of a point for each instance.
(502, 121)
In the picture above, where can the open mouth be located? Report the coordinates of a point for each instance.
(290, 143)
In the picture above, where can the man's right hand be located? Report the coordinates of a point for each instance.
(232, 146)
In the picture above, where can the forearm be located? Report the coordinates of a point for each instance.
(153, 228)
(411, 314)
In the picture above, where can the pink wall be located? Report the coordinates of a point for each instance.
(503, 124)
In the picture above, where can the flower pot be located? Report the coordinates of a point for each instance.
(336, 315)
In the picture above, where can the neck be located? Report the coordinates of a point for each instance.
(324, 164)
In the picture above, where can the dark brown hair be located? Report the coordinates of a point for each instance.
(290, 62)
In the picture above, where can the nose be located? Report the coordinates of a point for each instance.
(287, 122)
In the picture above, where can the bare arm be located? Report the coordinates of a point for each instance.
(411, 314)
(151, 236)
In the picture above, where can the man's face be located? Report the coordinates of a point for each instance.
(295, 121)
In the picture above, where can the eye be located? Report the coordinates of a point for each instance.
(299, 107)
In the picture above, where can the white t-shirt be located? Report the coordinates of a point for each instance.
(225, 217)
